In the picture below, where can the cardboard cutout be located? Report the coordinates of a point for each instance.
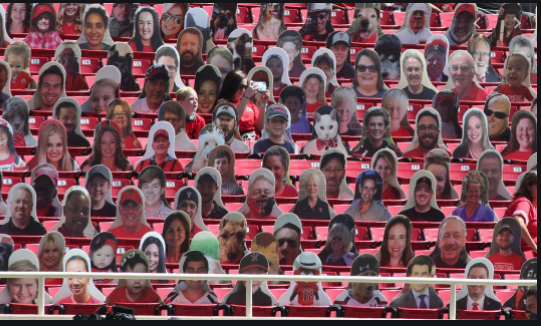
(359, 294)
(385, 163)
(223, 21)
(18, 55)
(344, 100)
(4, 35)
(464, 24)
(396, 250)
(474, 200)
(44, 181)
(223, 159)
(333, 165)
(20, 19)
(505, 252)
(12, 162)
(414, 79)
(438, 162)
(532, 163)
(518, 300)
(267, 245)
(470, 296)
(78, 290)
(147, 35)
(396, 103)
(23, 291)
(416, 28)
(106, 88)
(463, 80)
(161, 149)
(53, 131)
(318, 24)
(232, 238)
(288, 231)
(447, 103)
(121, 56)
(208, 182)
(291, 42)
(450, 251)
(508, 25)
(6, 91)
(222, 58)
(95, 34)
(340, 247)
(206, 243)
(51, 251)
(240, 43)
(207, 87)
(103, 252)
(475, 140)
(422, 205)
(428, 135)
(68, 111)
(525, 45)
(153, 245)
(368, 80)
(176, 233)
(436, 55)
(76, 221)
(121, 23)
(258, 76)
(480, 49)
(419, 296)
(43, 36)
(52, 75)
(276, 60)
(306, 294)
(275, 112)
(155, 91)
(389, 49)
(134, 291)
(271, 22)
(314, 83)
(172, 20)
(534, 35)
(276, 159)
(174, 113)
(99, 183)
(6, 250)
(68, 12)
(523, 137)
(325, 135)
(190, 47)
(366, 24)
(498, 110)
(260, 199)
(109, 154)
(152, 182)
(69, 55)
(198, 18)
(130, 221)
(193, 262)
(254, 264)
(226, 117)
(368, 202)
(376, 134)
(210, 137)
(516, 83)
(120, 111)
(168, 56)
(312, 201)
(188, 200)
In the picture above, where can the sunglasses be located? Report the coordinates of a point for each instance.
(498, 115)
(365, 68)
(177, 19)
(243, 87)
(322, 16)
(462, 68)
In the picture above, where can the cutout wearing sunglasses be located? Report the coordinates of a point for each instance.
(497, 114)
(363, 68)
(177, 19)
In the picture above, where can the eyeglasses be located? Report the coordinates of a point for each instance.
(497, 114)
(480, 54)
(243, 87)
(322, 16)
(365, 68)
(462, 68)
(120, 115)
(432, 129)
(177, 19)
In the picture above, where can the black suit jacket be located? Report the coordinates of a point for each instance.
(408, 301)
(489, 304)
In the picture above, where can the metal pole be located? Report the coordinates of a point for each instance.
(41, 297)
(452, 303)
(249, 298)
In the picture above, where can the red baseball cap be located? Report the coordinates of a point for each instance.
(161, 132)
(130, 194)
(40, 9)
(48, 171)
(465, 7)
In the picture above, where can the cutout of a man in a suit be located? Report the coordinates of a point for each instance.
(477, 298)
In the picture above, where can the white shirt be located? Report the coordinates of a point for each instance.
(426, 299)
(204, 300)
(141, 106)
(183, 142)
(481, 303)
(238, 146)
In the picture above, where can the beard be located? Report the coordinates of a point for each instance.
(188, 58)
(428, 146)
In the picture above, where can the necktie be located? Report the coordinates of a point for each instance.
(423, 302)
(475, 307)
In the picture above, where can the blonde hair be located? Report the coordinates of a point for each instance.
(347, 237)
(50, 243)
(397, 95)
(475, 177)
(78, 18)
(321, 91)
(66, 163)
(19, 49)
(22, 266)
(183, 93)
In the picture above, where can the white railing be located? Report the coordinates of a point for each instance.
(269, 278)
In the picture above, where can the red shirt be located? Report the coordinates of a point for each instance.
(506, 263)
(146, 48)
(119, 295)
(475, 94)
(389, 194)
(170, 165)
(131, 142)
(194, 127)
(120, 232)
(276, 92)
(22, 81)
(248, 119)
(75, 82)
(523, 208)
(69, 300)
(289, 192)
(521, 94)
(311, 108)
(402, 132)
(518, 156)
(416, 153)
(68, 29)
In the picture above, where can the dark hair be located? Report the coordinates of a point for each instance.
(514, 145)
(100, 11)
(168, 52)
(3, 69)
(231, 85)
(80, 259)
(132, 262)
(195, 256)
(152, 240)
(332, 156)
(534, 103)
(150, 173)
(98, 242)
(377, 62)
(11, 143)
(52, 70)
(178, 216)
(50, 16)
(376, 113)
(9, 21)
(420, 261)
(295, 38)
(223, 153)
(207, 71)
(17, 106)
(74, 65)
(532, 292)
(156, 38)
(530, 179)
(427, 113)
(278, 151)
(408, 253)
(72, 193)
(95, 158)
(291, 227)
(63, 105)
(479, 265)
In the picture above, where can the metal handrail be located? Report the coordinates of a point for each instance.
(41, 276)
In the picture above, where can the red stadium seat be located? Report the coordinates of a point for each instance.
(194, 310)
(292, 16)
(307, 52)
(419, 313)
(263, 312)
(517, 315)
(387, 18)
(363, 312)
(90, 65)
(307, 312)
(339, 17)
(142, 309)
(76, 308)
(36, 63)
(140, 67)
(244, 16)
(478, 315)
(23, 309)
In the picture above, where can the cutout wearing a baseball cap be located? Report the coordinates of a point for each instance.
(161, 149)
(188, 200)
(333, 164)
(68, 111)
(134, 291)
(6, 90)
(376, 134)
(491, 164)
(99, 183)
(422, 205)
(523, 144)
(208, 182)
(516, 83)
(474, 205)
(43, 34)
(277, 130)
(306, 294)
(325, 132)
(271, 22)
(428, 135)
(437, 56)
(130, 222)
(318, 24)
(277, 160)
(527, 272)
(366, 24)
(95, 35)
(288, 231)
(450, 251)
(276, 59)
(312, 201)
(12, 162)
(147, 37)
(480, 49)
(23, 291)
(152, 182)
(396, 250)
(44, 181)
(368, 202)
(447, 103)
(291, 43)
(174, 113)
(69, 55)
(193, 262)
(52, 81)
(103, 251)
(155, 91)
(253, 264)
(223, 159)
(260, 199)
(385, 163)
(232, 238)
(339, 43)
(416, 28)
(508, 25)
(505, 252)
(473, 297)
(463, 25)
(78, 290)
(414, 78)
(340, 247)
(438, 162)
(223, 21)
(362, 294)
(21, 220)
(106, 88)
(226, 117)
(76, 221)
(192, 43)
(475, 140)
